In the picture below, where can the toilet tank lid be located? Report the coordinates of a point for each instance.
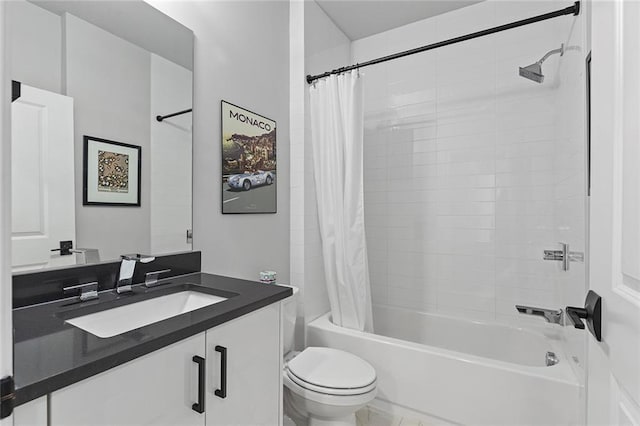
(332, 368)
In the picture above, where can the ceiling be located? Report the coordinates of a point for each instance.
(362, 18)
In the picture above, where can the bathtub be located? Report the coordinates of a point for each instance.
(450, 370)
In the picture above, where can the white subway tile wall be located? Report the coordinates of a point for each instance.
(471, 171)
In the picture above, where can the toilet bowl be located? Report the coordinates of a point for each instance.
(322, 386)
(325, 386)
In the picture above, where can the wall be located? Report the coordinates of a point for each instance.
(109, 80)
(35, 56)
(460, 160)
(242, 56)
(6, 313)
(171, 156)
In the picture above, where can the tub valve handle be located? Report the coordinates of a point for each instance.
(591, 313)
(576, 315)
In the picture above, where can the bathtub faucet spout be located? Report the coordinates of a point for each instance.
(554, 316)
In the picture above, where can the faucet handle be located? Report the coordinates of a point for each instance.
(142, 258)
(151, 278)
(88, 291)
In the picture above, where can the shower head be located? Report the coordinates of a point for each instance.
(534, 71)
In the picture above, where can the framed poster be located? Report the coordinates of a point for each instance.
(248, 161)
(110, 173)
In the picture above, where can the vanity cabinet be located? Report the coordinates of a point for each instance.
(241, 365)
(248, 350)
(156, 389)
(33, 413)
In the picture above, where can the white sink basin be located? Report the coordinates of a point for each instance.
(112, 322)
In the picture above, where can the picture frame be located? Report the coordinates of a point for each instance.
(111, 173)
(249, 161)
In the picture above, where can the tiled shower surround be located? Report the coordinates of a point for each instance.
(471, 171)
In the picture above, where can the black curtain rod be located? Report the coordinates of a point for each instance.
(162, 117)
(572, 10)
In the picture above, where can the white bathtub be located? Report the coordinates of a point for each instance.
(459, 371)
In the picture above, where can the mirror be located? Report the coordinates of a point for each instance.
(95, 172)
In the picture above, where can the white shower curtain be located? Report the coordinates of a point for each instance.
(337, 125)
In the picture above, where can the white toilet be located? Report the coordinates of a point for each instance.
(323, 386)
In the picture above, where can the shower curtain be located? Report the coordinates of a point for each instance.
(337, 125)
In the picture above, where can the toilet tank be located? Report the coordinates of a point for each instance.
(290, 310)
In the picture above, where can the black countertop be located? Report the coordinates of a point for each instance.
(50, 354)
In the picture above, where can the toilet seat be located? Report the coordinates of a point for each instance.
(326, 398)
(327, 390)
(331, 372)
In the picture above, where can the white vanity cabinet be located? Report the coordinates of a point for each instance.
(162, 387)
(248, 352)
(156, 389)
(33, 413)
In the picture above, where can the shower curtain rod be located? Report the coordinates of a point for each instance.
(162, 117)
(572, 10)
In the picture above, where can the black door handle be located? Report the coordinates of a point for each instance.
(198, 407)
(591, 313)
(576, 315)
(65, 248)
(222, 392)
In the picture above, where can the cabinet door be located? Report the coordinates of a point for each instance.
(156, 389)
(33, 413)
(253, 369)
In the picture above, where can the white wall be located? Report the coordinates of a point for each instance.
(460, 156)
(109, 80)
(241, 56)
(35, 46)
(171, 156)
(6, 324)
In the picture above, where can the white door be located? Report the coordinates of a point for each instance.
(42, 178)
(613, 382)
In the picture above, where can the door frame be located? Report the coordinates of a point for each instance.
(6, 325)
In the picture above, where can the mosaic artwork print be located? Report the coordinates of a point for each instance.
(113, 172)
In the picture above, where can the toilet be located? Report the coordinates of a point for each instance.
(322, 386)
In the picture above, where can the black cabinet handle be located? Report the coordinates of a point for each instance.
(198, 407)
(222, 392)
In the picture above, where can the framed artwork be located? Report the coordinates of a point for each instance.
(110, 173)
(249, 178)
